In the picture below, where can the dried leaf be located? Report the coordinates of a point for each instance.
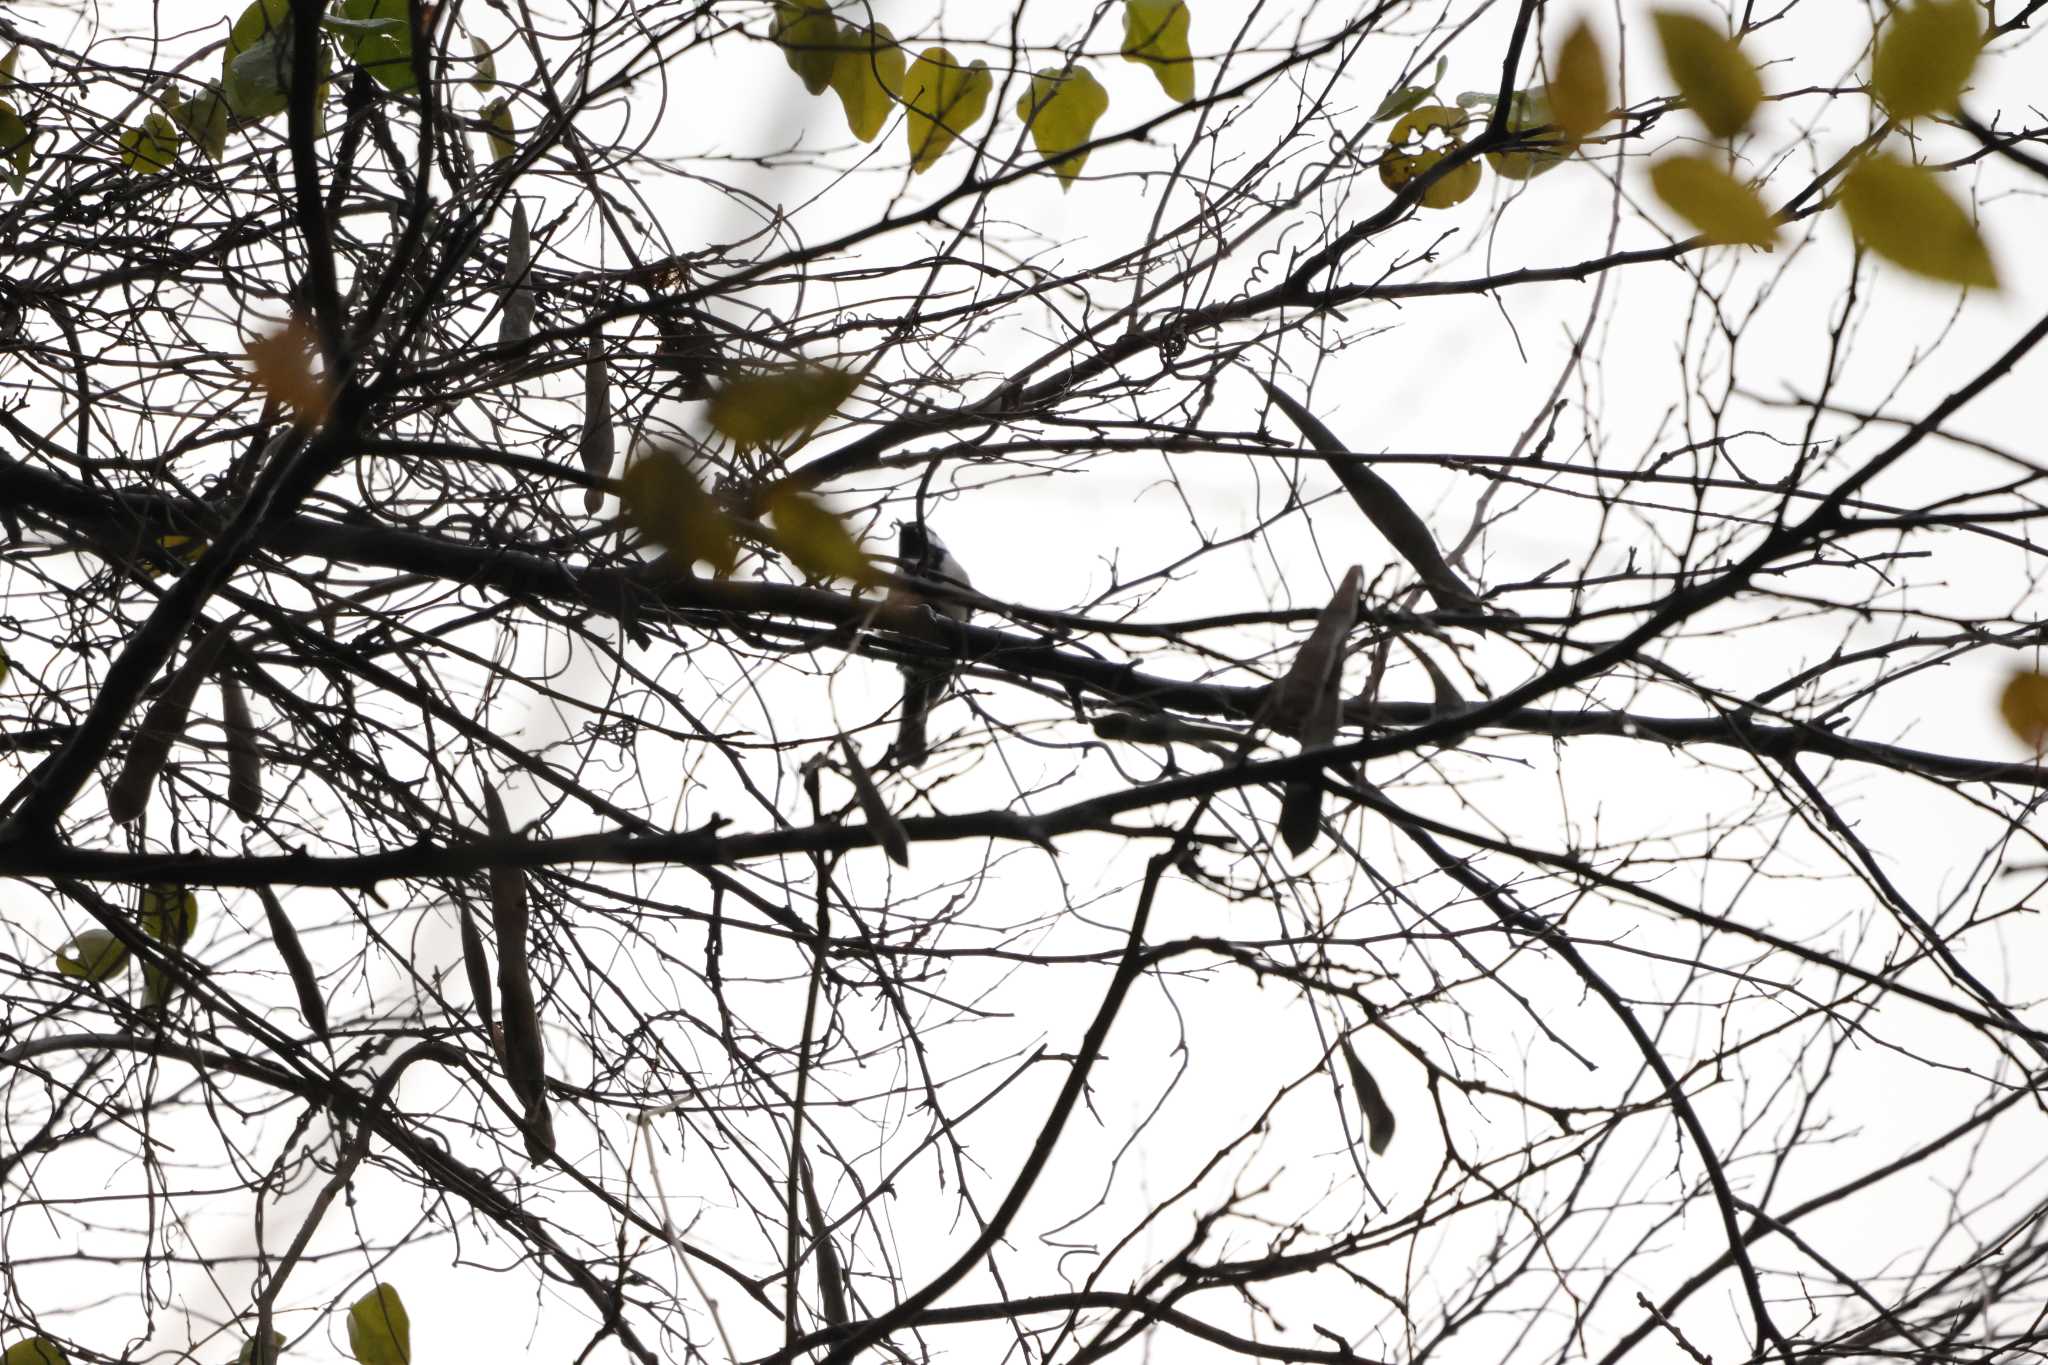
(1925, 57)
(1900, 211)
(944, 99)
(762, 408)
(663, 499)
(1156, 33)
(2024, 704)
(281, 363)
(1724, 210)
(94, 955)
(1578, 94)
(881, 820)
(868, 77)
(1062, 107)
(312, 1004)
(814, 539)
(379, 1332)
(1379, 1119)
(1716, 80)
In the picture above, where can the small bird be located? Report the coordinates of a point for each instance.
(921, 554)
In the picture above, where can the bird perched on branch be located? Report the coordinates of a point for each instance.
(922, 555)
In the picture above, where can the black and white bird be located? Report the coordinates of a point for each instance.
(922, 555)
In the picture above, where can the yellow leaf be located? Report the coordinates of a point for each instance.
(386, 54)
(2024, 704)
(1578, 95)
(1901, 212)
(809, 38)
(486, 64)
(1156, 33)
(17, 144)
(6, 665)
(152, 147)
(1925, 57)
(169, 913)
(868, 76)
(378, 1331)
(1529, 110)
(34, 1351)
(758, 409)
(1716, 80)
(94, 955)
(945, 99)
(1722, 208)
(1062, 106)
(1407, 158)
(814, 539)
(663, 499)
(282, 366)
(7, 65)
(497, 121)
(247, 1356)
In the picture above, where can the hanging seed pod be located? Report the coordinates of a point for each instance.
(525, 1053)
(311, 1003)
(831, 1279)
(515, 320)
(1301, 801)
(164, 722)
(245, 761)
(476, 965)
(880, 818)
(1295, 697)
(1379, 1119)
(598, 446)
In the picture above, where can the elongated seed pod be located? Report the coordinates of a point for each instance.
(1379, 1119)
(128, 796)
(311, 1003)
(831, 1279)
(245, 761)
(476, 964)
(1296, 696)
(1301, 800)
(515, 317)
(881, 819)
(1385, 508)
(525, 1053)
(599, 445)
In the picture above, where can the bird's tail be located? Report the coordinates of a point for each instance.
(919, 691)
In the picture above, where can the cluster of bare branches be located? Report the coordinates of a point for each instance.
(1593, 928)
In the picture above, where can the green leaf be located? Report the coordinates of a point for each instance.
(759, 409)
(17, 144)
(945, 99)
(868, 77)
(1062, 107)
(661, 497)
(497, 121)
(1722, 208)
(386, 55)
(1408, 158)
(1718, 83)
(152, 147)
(1925, 57)
(93, 955)
(248, 1352)
(169, 913)
(1156, 33)
(2024, 705)
(1901, 212)
(813, 538)
(378, 1331)
(1578, 94)
(486, 64)
(203, 119)
(7, 65)
(809, 38)
(34, 1351)
(255, 89)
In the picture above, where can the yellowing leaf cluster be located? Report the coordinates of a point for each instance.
(281, 364)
